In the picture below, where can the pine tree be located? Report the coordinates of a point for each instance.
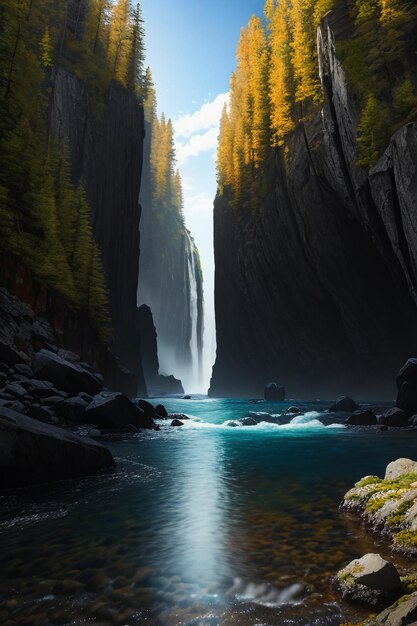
(373, 132)
(46, 49)
(281, 82)
(304, 52)
(135, 77)
(149, 102)
(119, 40)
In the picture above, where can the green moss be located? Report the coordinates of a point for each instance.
(397, 517)
(409, 583)
(368, 480)
(407, 539)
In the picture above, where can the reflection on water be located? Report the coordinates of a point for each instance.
(204, 524)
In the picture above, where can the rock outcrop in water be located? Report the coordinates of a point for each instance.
(317, 286)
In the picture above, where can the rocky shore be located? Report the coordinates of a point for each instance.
(388, 507)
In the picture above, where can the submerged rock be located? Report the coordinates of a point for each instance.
(32, 452)
(274, 392)
(344, 404)
(368, 579)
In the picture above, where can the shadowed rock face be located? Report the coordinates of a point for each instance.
(107, 153)
(32, 452)
(316, 286)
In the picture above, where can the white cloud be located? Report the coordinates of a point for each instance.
(198, 132)
(207, 116)
(199, 204)
(196, 144)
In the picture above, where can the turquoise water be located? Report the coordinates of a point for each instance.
(204, 524)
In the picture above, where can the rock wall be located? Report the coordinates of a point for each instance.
(317, 286)
(106, 147)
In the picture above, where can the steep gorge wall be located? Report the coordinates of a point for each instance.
(106, 148)
(316, 287)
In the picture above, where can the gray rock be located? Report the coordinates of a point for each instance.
(34, 453)
(248, 421)
(398, 468)
(161, 411)
(369, 579)
(72, 409)
(40, 413)
(293, 410)
(41, 388)
(65, 375)
(402, 613)
(147, 407)
(362, 418)
(395, 418)
(177, 423)
(67, 355)
(9, 354)
(114, 411)
(233, 424)
(407, 387)
(52, 400)
(344, 404)
(25, 370)
(16, 390)
(85, 396)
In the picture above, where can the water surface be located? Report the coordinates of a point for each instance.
(204, 524)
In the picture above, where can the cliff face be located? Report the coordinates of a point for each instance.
(170, 283)
(317, 287)
(106, 148)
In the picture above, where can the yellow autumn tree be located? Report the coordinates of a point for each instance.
(119, 40)
(304, 51)
(281, 80)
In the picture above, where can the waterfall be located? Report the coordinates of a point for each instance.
(194, 379)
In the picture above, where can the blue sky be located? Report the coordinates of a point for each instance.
(191, 48)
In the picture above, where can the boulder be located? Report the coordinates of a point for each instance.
(394, 417)
(72, 409)
(344, 404)
(161, 411)
(32, 452)
(248, 421)
(25, 370)
(37, 412)
(398, 468)
(401, 613)
(146, 407)
(85, 396)
(9, 355)
(41, 388)
(369, 578)
(70, 377)
(274, 392)
(186, 397)
(115, 411)
(293, 410)
(16, 390)
(362, 418)
(177, 423)
(233, 424)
